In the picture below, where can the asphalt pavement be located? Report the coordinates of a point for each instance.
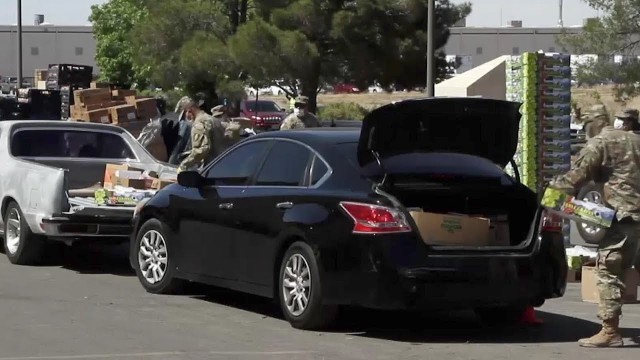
(87, 304)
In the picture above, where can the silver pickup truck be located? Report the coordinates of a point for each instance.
(48, 173)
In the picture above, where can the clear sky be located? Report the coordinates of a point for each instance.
(485, 12)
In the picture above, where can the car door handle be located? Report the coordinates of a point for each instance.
(284, 205)
(226, 206)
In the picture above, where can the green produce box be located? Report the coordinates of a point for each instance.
(569, 207)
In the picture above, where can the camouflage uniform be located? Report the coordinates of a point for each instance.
(221, 137)
(595, 120)
(300, 121)
(613, 157)
(201, 142)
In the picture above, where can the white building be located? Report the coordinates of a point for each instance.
(43, 45)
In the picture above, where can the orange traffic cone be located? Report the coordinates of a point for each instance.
(529, 317)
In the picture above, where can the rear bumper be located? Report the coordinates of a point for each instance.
(77, 226)
(455, 282)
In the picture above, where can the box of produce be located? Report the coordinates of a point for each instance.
(121, 196)
(571, 208)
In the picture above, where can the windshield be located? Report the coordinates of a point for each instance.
(263, 106)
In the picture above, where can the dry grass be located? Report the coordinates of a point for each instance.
(586, 97)
(369, 101)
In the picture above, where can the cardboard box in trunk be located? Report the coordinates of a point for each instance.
(453, 230)
(122, 114)
(112, 171)
(91, 96)
(590, 290)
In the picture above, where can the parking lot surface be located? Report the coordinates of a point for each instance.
(88, 304)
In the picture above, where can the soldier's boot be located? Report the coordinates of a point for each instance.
(609, 336)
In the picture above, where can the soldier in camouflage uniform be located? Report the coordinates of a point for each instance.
(595, 120)
(631, 115)
(612, 157)
(301, 117)
(201, 137)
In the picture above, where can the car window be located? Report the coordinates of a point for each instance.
(318, 170)
(65, 143)
(237, 166)
(263, 106)
(286, 165)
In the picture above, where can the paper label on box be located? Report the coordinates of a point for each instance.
(131, 116)
(104, 119)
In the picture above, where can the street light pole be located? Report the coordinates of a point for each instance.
(19, 84)
(430, 49)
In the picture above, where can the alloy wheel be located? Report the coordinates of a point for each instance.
(13, 231)
(296, 284)
(152, 256)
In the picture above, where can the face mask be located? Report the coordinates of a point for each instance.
(296, 111)
(618, 124)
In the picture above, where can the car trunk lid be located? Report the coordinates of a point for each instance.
(483, 127)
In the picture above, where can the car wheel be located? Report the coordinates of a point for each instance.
(591, 234)
(300, 290)
(501, 315)
(153, 262)
(21, 245)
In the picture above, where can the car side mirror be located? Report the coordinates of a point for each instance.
(191, 179)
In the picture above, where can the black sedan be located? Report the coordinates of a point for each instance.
(321, 218)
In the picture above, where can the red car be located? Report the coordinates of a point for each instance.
(345, 89)
(266, 114)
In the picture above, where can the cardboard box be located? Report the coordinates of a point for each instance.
(573, 276)
(123, 114)
(134, 127)
(157, 184)
(455, 230)
(98, 85)
(91, 96)
(590, 290)
(146, 109)
(121, 94)
(110, 172)
(581, 211)
(104, 105)
(96, 116)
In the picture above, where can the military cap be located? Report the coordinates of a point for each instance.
(628, 114)
(182, 102)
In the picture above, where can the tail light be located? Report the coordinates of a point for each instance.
(551, 222)
(375, 219)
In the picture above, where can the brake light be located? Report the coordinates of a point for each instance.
(551, 222)
(375, 219)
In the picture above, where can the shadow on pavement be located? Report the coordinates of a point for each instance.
(91, 258)
(417, 328)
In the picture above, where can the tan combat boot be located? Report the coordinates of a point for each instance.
(609, 336)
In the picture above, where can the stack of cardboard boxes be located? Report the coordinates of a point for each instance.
(125, 185)
(103, 105)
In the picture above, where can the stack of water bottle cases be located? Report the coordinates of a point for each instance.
(542, 83)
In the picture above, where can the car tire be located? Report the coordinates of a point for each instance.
(501, 315)
(591, 234)
(152, 259)
(314, 315)
(21, 245)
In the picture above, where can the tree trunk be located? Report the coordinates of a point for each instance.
(234, 15)
(244, 5)
(310, 85)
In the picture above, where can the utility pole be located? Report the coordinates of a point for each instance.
(430, 49)
(19, 84)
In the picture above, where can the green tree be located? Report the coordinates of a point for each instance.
(312, 41)
(113, 22)
(617, 32)
(184, 44)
